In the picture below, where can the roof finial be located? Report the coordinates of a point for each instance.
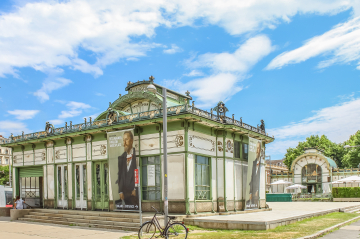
(151, 78)
(187, 93)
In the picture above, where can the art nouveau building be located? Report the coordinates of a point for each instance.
(68, 168)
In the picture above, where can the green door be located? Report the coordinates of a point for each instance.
(101, 183)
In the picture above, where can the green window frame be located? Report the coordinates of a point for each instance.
(151, 192)
(202, 177)
(236, 149)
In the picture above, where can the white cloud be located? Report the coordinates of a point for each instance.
(56, 122)
(74, 109)
(227, 69)
(336, 122)
(48, 34)
(194, 73)
(50, 85)
(174, 49)
(340, 45)
(8, 127)
(23, 114)
(99, 94)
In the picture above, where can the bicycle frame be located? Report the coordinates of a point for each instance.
(157, 224)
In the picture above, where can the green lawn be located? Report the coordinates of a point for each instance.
(295, 230)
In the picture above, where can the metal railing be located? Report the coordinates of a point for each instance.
(174, 110)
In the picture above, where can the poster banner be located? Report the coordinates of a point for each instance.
(123, 170)
(253, 174)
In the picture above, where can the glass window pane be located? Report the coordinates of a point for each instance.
(157, 160)
(151, 160)
(27, 183)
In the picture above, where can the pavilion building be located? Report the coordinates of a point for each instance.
(68, 167)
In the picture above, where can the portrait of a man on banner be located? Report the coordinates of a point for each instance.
(253, 177)
(126, 168)
(122, 158)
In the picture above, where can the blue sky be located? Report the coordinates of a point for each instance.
(294, 64)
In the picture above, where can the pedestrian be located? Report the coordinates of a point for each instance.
(19, 203)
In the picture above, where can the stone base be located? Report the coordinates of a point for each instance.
(49, 203)
(346, 199)
(18, 213)
(5, 211)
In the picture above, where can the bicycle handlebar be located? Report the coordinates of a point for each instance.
(156, 210)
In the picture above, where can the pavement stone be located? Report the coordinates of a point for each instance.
(27, 230)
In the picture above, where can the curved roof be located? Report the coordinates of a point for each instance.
(331, 162)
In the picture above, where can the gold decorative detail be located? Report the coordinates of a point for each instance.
(220, 146)
(103, 149)
(179, 140)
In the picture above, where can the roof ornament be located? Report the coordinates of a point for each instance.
(187, 93)
(262, 126)
(151, 78)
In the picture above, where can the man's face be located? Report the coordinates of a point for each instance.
(127, 143)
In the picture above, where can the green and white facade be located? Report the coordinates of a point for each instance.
(68, 168)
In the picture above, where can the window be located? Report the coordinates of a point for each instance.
(30, 187)
(202, 178)
(236, 149)
(151, 178)
(6, 160)
(245, 148)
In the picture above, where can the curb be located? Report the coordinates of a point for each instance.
(322, 232)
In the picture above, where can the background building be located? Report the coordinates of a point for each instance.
(5, 153)
(315, 171)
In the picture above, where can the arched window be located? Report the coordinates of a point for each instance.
(311, 173)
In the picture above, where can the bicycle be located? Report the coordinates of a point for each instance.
(172, 229)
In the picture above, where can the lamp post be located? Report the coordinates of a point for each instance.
(269, 157)
(348, 146)
(152, 88)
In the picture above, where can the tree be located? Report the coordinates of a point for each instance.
(351, 158)
(331, 149)
(4, 175)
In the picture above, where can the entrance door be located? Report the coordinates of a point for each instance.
(62, 186)
(80, 186)
(101, 185)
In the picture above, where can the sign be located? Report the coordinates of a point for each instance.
(123, 166)
(136, 173)
(253, 175)
(151, 175)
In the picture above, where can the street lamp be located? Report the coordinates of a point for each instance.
(151, 88)
(348, 146)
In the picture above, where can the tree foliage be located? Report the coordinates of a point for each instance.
(352, 157)
(330, 149)
(349, 158)
(4, 175)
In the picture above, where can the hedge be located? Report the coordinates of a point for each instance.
(346, 192)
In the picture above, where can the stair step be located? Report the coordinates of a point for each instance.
(126, 227)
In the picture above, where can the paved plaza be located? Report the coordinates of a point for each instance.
(283, 213)
(282, 210)
(26, 230)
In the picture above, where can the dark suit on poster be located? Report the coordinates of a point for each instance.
(254, 182)
(126, 179)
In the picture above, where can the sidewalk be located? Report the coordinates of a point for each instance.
(349, 232)
(22, 230)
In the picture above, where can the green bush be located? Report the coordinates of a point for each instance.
(346, 192)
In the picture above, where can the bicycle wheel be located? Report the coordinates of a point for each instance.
(147, 230)
(176, 230)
